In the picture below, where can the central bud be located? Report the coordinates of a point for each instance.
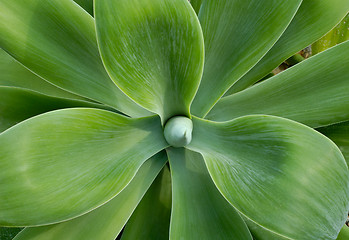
(178, 131)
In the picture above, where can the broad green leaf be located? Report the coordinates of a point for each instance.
(314, 19)
(56, 40)
(151, 219)
(87, 5)
(105, 222)
(64, 163)
(313, 92)
(344, 233)
(8, 233)
(18, 104)
(237, 34)
(337, 35)
(339, 134)
(199, 211)
(16, 75)
(153, 50)
(282, 175)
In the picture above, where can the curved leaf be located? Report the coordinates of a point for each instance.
(56, 40)
(106, 221)
(282, 175)
(313, 92)
(196, 4)
(197, 204)
(153, 50)
(344, 233)
(13, 74)
(18, 104)
(339, 134)
(151, 219)
(64, 163)
(237, 34)
(313, 20)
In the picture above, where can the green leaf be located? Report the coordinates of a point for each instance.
(151, 219)
(8, 233)
(87, 5)
(18, 104)
(16, 75)
(313, 20)
(313, 92)
(339, 134)
(78, 158)
(196, 4)
(108, 220)
(337, 35)
(282, 175)
(199, 211)
(344, 233)
(237, 34)
(57, 41)
(153, 50)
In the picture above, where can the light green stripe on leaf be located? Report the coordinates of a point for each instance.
(314, 19)
(105, 222)
(237, 34)
(153, 50)
(17, 104)
(79, 158)
(151, 219)
(282, 175)
(56, 40)
(313, 92)
(199, 211)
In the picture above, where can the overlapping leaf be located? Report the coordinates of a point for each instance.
(237, 34)
(106, 221)
(198, 209)
(64, 163)
(314, 92)
(56, 39)
(280, 174)
(313, 20)
(153, 50)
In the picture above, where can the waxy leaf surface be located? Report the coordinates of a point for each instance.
(151, 219)
(199, 211)
(153, 50)
(313, 92)
(237, 34)
(313, 20)
(17, 104)
(56, 39)
(282, 175)
(64, 163)
(105, 222)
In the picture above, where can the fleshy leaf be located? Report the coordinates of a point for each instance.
(18, 104)
(284, 176)
(313, 20)
(344, 233)
(153, 50)
(13, 74)
(57, 40)
(337, 35)
(313, 92)
(107, 221)
(151, 219)
(339, 134)
(64, 163)
(237, 34)
(199, 211)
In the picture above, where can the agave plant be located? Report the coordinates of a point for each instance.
(140, 120)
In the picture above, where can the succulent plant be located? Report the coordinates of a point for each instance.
(143, 119)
